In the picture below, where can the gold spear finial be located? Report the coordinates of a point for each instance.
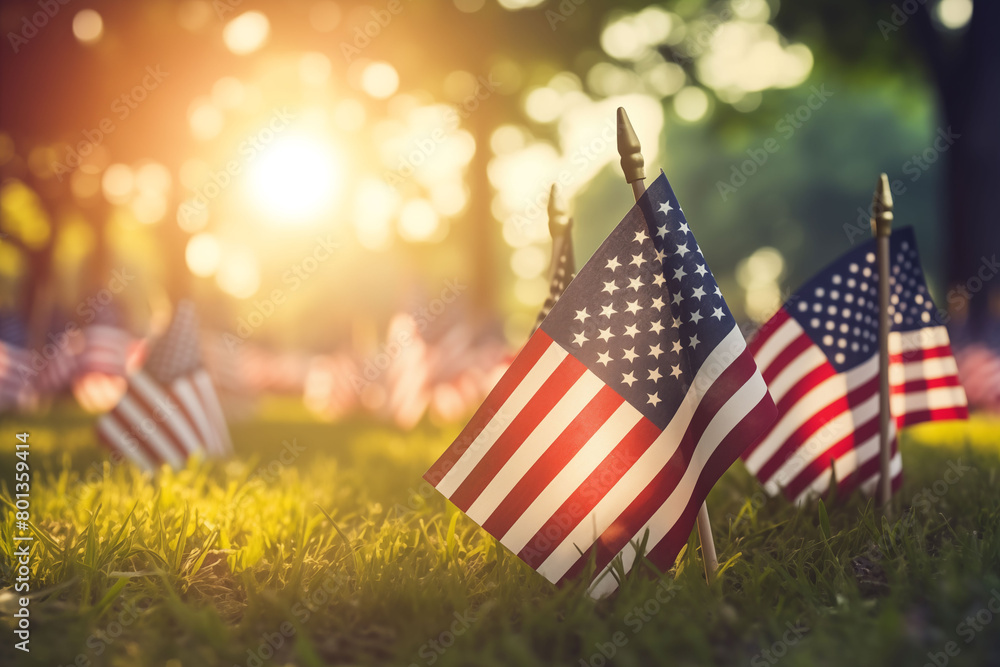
(630, 151)
(882, 207)
(559, 219)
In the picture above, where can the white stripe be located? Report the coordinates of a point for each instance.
(778, 341)
(817, 445)
(927, 369)
(134, 417)
(119, 439)
(533, 380)
(725, 420)
(937, 398)
(826, 392)
(649, 464)
(919, 339)
(167, 411)
(537, 442)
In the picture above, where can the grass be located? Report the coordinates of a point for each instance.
(338, 553)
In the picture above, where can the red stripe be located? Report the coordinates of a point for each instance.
(553, 460)
(538, 406)
(655, 494)
(921, 354)
(767, 330)
(585, 497)
(835, 408)
(186, 415)
(789, 354)
(915, 386)
(524, 362)
(821, 464)
(664, 553)
(936, 414)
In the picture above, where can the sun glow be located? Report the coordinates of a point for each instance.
(296, 179)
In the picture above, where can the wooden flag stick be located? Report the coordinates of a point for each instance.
(881, 228)
(635, 174)
(559, 227)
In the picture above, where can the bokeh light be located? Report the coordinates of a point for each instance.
(380, 80)
(246, 33)
(88, 26)
(296, 178)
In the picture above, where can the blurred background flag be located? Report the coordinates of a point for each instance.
(819, 355)
(620, 413)
(16, 374)
(563, 264)
(170, 410)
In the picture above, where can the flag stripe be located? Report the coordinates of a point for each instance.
(556, 385)
(639, 512)
(747, 412)
(115, 435)
(523, 363)
(553, 460)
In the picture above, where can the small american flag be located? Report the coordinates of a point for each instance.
(105, 350)
(170, 411)
(620, 413)
(819, 355)
(563, 270)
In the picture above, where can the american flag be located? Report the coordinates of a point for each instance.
(819, 356)
(170, 411)
(106, 348)
(563, 270)
(620, 413)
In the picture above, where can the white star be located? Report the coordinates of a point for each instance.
(657, 303)
(632, 306)
(662, 231)
(677, 346)
(579, 339)
(653, 398)
(676, 324)
(637, 260)
(701, 270)
(694, 342)
(684, 228)
(631, 330)
(610, 287)
(628, 378)
(658, 279)
(603, 358)
(655, 374)
(676, 372)
(665, 207)
(581, 315)
(718, 292)
(698, 292)
(635, 283)
(613, 263)
(608, 311)
(679, 273)
(677, 299)
(630, 354)
(605, 334)
(640, 236)
(717, 313)
(682, 249)
(696, 317)
(660, 255)
(655, 351)
(655, 326)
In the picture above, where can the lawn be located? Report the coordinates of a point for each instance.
(321, 545)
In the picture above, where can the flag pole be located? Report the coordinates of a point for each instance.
(635, 174)
(881, 219)
(559, 227)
